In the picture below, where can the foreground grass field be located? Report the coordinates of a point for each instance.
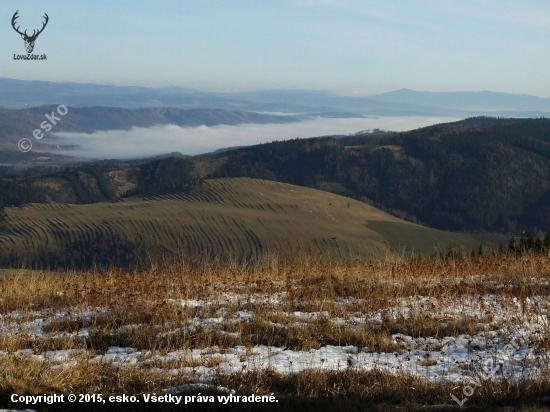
(228, 219)
(367, 335)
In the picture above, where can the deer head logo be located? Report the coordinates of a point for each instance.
(29, 40)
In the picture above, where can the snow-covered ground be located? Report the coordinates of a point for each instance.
(509, 344)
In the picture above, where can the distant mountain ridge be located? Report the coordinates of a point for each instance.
(19, 94)
(404, 102)
(482, 100)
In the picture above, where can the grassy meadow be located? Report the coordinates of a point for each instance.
(234, 219)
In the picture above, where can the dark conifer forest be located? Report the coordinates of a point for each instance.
(481, 174)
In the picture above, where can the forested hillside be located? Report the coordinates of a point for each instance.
(94, 183)
(480, 174)
(477, 175)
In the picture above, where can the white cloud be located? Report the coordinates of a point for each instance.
(140, 142)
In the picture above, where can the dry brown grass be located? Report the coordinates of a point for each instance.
(377, 280)
(105, 302)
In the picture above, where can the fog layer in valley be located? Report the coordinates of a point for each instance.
(141, 142)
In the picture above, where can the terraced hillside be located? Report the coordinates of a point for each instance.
(233, 218)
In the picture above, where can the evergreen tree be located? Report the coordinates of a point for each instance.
(539, 247)
(480, 250)
(522, 244)
(530, 243)
(513, 245)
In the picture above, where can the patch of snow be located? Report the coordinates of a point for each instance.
(193, 387)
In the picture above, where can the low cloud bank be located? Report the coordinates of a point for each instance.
(142, 142)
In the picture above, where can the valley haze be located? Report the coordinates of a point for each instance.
(294, 113)
(143, 142)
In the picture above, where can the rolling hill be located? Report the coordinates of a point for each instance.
(238, 219)
(479, 174)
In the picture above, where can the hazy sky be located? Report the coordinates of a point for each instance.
(348, 47)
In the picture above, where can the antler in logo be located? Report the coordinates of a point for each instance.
(29, 40)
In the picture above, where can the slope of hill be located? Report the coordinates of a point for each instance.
(475, 175)
(238, 219)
